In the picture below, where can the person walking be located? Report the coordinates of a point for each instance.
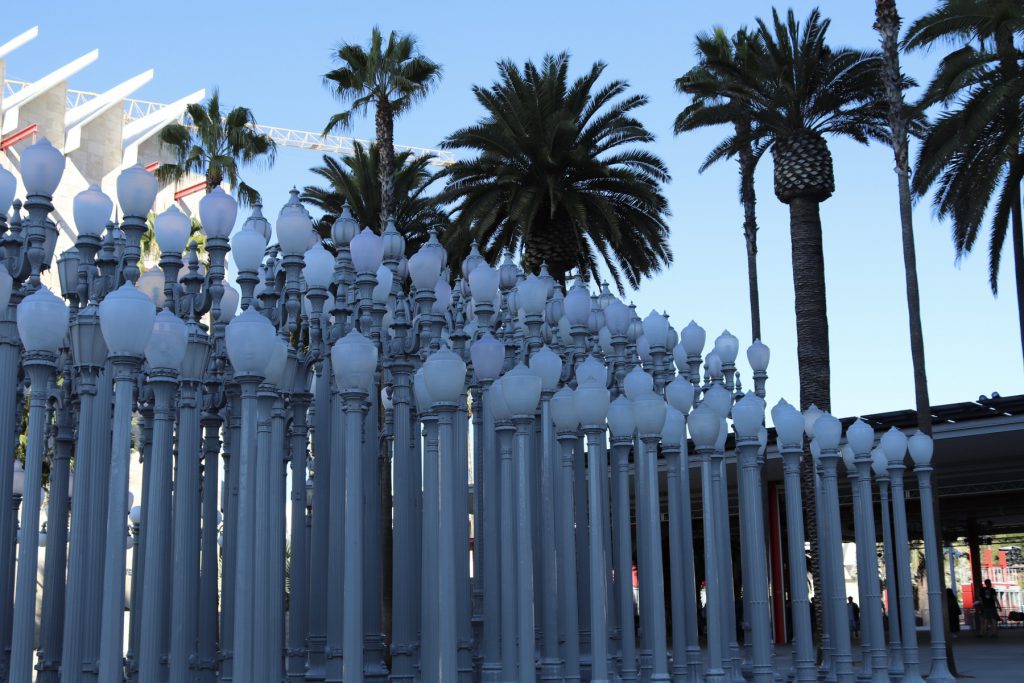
(854, 613)
(953, 608)
(989, 610)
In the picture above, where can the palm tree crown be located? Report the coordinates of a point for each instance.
(557, 174)
(389, 76)
(216, 146)
(355, 180)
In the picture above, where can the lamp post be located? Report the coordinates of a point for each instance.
(894, 445)
(125, 308)
(563, 413)
(921, 449)
(592, 401)
(879, 464)
(621, 426)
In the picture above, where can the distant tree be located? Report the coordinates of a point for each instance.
(216, 146)
(388, 76)
(560, 173)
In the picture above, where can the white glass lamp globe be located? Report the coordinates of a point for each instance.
(621, 422)
(18, 482)
(385, 399)
(811, 416)
(563, 410)
(643, 349)
(679, 394)
(548, 366)
(727, 346)
(126, 320)
(248, 247)
(256, 221)
(595, 321)
(136, 190)
(8, 189)
(591, 370)
(592, 403)
(42, 321)
(382, 290)
(815, 449)
(168, 342)
(354, 358)
(499, 406)
(849, 459)
(860, 436)
(879, 463)
(921, 448)
(704, 425)
(693, 338)
(616, 317)
(488, 355)
(442, 295)
(679, 357)
(294, 227)
(483, 283)
(828, 430)
(672, 431)
(91, 209)
(718, 399)
(275, 372)
(151, 283)
(508, 271)
(394, 243)
(472, 260)
(758, 355)
(671, 339)
(345, 227)
(445, 373)
(424, 401)
(6, 287)
(319, 266)
(217, 212)
(531, 295)
(135, 514)
(604, 341)
(789, 424)
(522, 389)
(425, 268)
(747, 416)
(42, 166)
(577, 305)
(713, 364)
(367, 251)
(172, 229)
(250, 339)
(655, 328)
(649, 411)
(637, 383)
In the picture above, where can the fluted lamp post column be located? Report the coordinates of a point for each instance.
(921, 450)
(42, 324)
(563, 412)
(789, 428)
(164, 354)
(125, 309)
(622, 426)
(592, 402)
(354, 358)
(445, 374)
(250, 340)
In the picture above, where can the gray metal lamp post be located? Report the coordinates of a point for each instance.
(125, 308)
(504, 429)
(861, 438)
(563, 413)
(879, 465)
(921, 448)
(592, 401)
(789, 426)
(622, 426)
(827, 431)
(894, 445)
(164, 353)
(860, 541)
(704, 425)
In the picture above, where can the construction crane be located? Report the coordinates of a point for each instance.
(283, 137)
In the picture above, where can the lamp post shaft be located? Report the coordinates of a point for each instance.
(429, 618)
(319, 539)
(488, 543)
(598, 586)
(873, 588)
(352, 670)
(460, 508)
(803, 645)
(648, 469)
(404, 626)
(933, 566)
(298, 595)
(111, 636)
(509, 661)
(550, 664)
(266, 657)
(755, 565)
(566, 560)
(901, 541)
(10, 355)
(715, 673)
(832, 554)
(895, 646)
(244, 587)
(624, 558)
(336, 553)
(209, 604)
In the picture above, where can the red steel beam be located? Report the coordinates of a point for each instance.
(191, 189)
(153, 166)
(14, 138)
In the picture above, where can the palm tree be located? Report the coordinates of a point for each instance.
(389, 77)
(150, 251)
(215, 146)
(972, 152)
(356, 180)
(887, 23)
(560, 174)
(710, 107)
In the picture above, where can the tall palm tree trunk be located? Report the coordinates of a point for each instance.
(812, 353)
(1018, 259)
(385, 123)
(749, 201)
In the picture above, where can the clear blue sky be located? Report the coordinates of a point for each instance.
(270, 57)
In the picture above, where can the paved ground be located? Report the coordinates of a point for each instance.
(990, 661)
